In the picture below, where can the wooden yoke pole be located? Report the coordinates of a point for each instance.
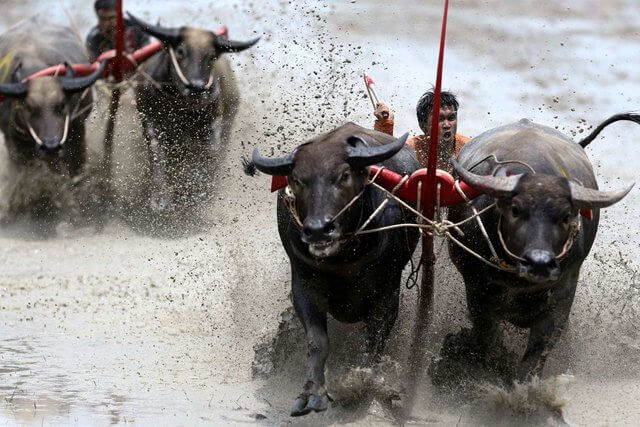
(418, 351)
(117, 73)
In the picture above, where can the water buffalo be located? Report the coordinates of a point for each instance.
(187, 101)
(540, 180)
(44, 118)
(353, 279)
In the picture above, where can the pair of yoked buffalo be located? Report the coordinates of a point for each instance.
(540, 180)
(190, 92)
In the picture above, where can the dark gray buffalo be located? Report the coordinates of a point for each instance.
(540, 180)
(44, 118)
(188, 99)
(352, 278)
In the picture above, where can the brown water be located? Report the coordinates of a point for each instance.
(126, 328)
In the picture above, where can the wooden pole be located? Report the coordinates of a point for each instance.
(117, 73)
(417, 354)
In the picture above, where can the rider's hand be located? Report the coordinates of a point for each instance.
(383, 112)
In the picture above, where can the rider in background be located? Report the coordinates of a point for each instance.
(102, 37)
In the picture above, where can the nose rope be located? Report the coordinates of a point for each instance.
(181, 75)
(574, 232)
(65, 132)
(34, 135)
(176, 66)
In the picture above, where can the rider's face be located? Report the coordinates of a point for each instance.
(107, 21)
(447, 124)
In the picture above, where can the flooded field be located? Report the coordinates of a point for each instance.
(180, 325)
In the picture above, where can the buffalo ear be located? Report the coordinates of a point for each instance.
(588, 198)
(499, 187)
(282, 166)
(360, 157)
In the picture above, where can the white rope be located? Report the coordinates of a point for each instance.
(176, 66)
(437, 228)
(483, 230)
(34, 135)
(37, 139)
(66, 130)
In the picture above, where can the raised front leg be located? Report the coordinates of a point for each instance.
(314, 320)
(160, 199)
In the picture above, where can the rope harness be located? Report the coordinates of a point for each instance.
(437, 227)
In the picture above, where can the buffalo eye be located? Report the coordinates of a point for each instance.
(181, 52)
(566, 218)
(297, 182)
(345, 176)
(515, 211)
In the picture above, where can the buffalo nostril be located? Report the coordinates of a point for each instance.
(50, 143)
(329, 228)
(540, 258)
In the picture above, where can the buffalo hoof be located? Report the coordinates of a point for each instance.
(307, 403)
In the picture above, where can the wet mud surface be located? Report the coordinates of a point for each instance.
(122, 317)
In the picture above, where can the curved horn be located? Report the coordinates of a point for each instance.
(499, 187)
(77, 84)
(588, 198)
(13, 90)
(224, 46)
(280, 166)
(360, 157)
(169, 36)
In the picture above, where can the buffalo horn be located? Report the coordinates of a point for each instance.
(78, 84)
(588, 198)
(170, 36)
(360, 157)
(13, 90)
(228, 46)
(499, 187)
(281, 166)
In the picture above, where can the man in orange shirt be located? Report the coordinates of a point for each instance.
(449, 143)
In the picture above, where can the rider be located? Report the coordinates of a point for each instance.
(449, 143)
(102, 37)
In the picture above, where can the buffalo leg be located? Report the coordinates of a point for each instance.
(314, 320)
(484, 326)
(77, 149)
(544, 334)
(379, 325)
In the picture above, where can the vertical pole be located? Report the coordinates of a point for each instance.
(425, 299)
(116, 71)
(117, 62)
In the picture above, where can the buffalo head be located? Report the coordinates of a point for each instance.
(538, 213)
(192, 53)
(324, 177)
(44, 106)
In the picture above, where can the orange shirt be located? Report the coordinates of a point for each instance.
(420, 144)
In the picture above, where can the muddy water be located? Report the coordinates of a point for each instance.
(125, 327)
